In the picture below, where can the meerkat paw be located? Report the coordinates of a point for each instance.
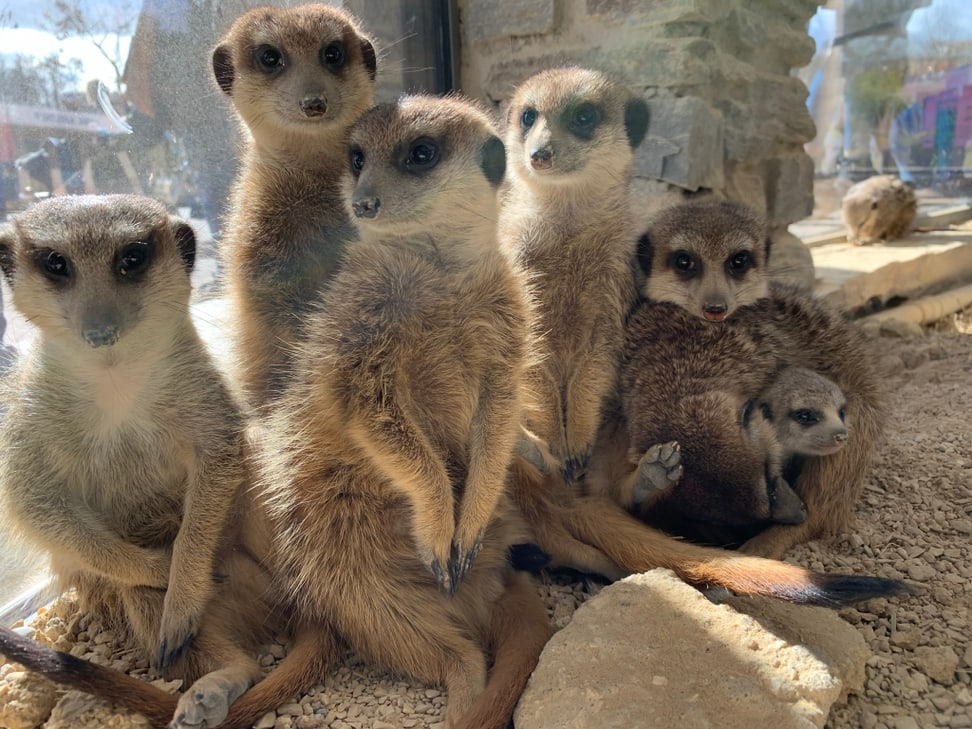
(575, 467)
(659, 469)
(529, 450)
(175, 635)
(439, 561)
(462, 558)
(207, 702)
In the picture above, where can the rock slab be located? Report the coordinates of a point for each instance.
(650, 651)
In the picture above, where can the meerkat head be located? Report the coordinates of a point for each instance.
(709, 257)
(808, 412)
(573, 126)
(423, 164)
(89, 270)
(293, 72)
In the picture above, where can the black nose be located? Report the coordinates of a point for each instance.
(366, 207)
(313, 105)
(101, 337)
(715, 308)
(541, 158)
(840, 437)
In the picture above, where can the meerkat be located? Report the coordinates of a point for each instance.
(809, 416)
(298, 79)
(386, 460)
(880, 208)
(768, 328)
(564, 220)
(122, 450)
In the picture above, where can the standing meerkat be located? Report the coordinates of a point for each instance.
(298, 79)
(565, 221)
(764, 328)
(122, 451)
(385, 464)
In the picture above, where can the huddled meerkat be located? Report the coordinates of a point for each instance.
(565, 221)
(809, 416)
(298, 78)
(385, 464)
(769, 328)
(122, 450)
(880, 208)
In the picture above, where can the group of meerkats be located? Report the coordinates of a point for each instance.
(456, 362)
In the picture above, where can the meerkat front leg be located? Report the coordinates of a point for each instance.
(493, 436)
(75, 534)
(586, 392)
(213, 485)
(658, 470)
(400, 450)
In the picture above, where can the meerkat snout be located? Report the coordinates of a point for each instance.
(313, 105)
(365, 206)
(542, 158)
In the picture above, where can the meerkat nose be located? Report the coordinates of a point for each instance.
(840, 437)
(714, 312)
(366, 207)
(102, 336)
(541, 159)
(313, 105)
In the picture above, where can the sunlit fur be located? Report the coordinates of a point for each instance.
(385, 464)
(711, 233)
(287, 227)
(567, 224)
(123, 457)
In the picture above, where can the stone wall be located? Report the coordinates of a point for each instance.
(725, 113)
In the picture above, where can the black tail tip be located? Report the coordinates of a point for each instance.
(838, 590)
(528, 557)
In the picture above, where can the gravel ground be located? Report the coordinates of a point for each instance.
(914, 521)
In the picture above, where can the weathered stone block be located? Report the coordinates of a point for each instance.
(650, 651)
(684, 144)
(744, 183)
(490, 19)
(662, 11)
(789, 188)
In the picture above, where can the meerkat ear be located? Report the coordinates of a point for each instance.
(492, 160)
(185, 239)
(369, 58)
(223, 69)
(7, 241)
(645, 251)
(636, 121)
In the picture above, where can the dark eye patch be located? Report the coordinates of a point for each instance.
(53, 264)
(133, 260)
(685, 264)
(805, 416)
(422, 155)
(739, 263)
(269, 59)
(583, 119)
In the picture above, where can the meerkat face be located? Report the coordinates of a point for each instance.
(809, 412)
(89, 270)
(708, 257)
(423, 164)
(573, 126)
(291, 72)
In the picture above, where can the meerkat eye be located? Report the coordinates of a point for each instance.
(424, 155)
(269, 59)
(874, 205)
(333, 55)
(133, 259)
(739, 263)
(528, 118)
(842, 414)
(357, 161)
(805, 417)
(586, 115)
(54, 265)
(747, 412)
(684, 264)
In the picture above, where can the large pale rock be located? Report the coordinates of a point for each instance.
(26, 699)
(650, 651)
(77, 710)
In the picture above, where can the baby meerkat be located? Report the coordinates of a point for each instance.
(122, 451)
(762, 330)
(385, 464)
(809, 415)
(298, 78)
(565, 221)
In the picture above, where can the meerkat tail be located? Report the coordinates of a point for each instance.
(638, 548)
(313, 653)
(119, 688)
(519, 631)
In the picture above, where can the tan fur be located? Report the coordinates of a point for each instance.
(386, 462)
(565, 221)
(674, 359)
(879, 208)
(288, 226)
(122, 450)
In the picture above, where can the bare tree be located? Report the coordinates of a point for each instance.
(102, 27)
